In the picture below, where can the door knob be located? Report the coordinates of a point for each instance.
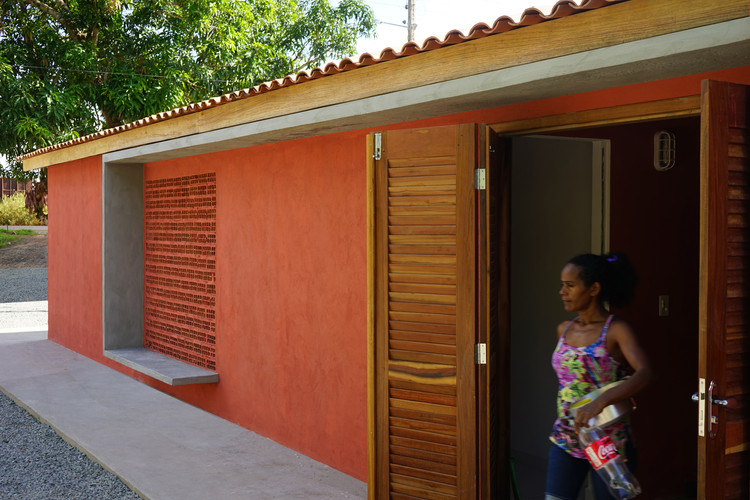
(729, 403)
(703, 396)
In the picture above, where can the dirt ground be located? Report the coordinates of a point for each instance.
(26, 251)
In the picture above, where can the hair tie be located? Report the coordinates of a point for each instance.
(612, 259)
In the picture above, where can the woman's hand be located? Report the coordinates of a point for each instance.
(587, 412)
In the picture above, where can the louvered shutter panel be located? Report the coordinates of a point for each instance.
(424, 314)
(724, 455)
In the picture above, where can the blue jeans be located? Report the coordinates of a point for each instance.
(566, 474)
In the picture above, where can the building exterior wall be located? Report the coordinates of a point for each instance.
(290, 277)
(75, 256)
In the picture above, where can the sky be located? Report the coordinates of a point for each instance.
(438, 17)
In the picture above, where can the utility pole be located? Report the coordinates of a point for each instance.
(411, 26)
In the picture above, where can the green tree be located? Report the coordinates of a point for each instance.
(72, 67)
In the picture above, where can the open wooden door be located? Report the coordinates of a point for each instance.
(724, 311)
(493, 264)
(425, 420)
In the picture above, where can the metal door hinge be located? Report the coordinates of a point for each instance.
(480, 354)
(480, 178)
(378, 147)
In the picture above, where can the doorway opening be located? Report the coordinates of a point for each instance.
(597, 190)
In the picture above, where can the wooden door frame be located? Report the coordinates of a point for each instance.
(493, 314)
(682, 107)
(616, 115)
(678, 107)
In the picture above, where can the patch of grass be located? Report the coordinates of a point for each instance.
(8, 237)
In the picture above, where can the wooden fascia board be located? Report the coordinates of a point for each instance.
(654, 110)
(616, 24)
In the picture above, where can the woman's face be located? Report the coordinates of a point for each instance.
(575, 295)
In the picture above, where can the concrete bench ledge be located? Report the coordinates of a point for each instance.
(161, 367)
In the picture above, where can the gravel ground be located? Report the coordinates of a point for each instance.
(23, 284)
(36, 463)
(23, 270)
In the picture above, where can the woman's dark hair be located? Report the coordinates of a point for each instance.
(614, 273)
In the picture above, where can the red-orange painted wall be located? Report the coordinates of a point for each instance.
(75, 255)
(291, 293)
(291, 273)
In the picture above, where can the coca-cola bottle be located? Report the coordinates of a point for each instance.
(608, 463)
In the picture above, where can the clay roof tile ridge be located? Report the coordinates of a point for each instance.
(530, 16)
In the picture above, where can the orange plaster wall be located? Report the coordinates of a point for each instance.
(291, 294)
(75, 255)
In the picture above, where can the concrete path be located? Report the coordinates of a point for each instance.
(159, 446)
(23, 316)
(37, 229)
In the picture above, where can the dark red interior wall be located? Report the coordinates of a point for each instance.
(654, 220)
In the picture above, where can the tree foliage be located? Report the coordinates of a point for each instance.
(72, 67)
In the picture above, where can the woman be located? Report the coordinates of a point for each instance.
(593, 350)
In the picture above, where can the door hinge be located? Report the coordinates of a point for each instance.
(480, 353)
(377, 152)
(480, 178)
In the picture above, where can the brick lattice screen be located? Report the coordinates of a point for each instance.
(180, 268)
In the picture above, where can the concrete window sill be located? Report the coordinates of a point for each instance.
(161, 367)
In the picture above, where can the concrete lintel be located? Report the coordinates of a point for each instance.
(161, 367)
(703, 49)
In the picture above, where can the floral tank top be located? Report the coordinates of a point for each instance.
(579, 371)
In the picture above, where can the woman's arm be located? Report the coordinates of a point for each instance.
(624, 344)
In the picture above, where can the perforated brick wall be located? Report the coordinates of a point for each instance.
(180, 268)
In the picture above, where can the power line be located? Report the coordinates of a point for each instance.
(111, 73)
(378, 21)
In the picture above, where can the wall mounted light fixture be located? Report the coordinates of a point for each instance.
(664, 150)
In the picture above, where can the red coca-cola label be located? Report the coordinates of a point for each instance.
(600, 452)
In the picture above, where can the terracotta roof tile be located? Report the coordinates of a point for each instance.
(530, 17)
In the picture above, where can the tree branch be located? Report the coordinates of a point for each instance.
(44, 8)
(304, 66)
(74, 34)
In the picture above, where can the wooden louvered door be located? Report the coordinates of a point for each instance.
(724, 312)
(424, 315)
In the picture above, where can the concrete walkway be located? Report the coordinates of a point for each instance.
(159, 446)
(36, 229)
(16, 317)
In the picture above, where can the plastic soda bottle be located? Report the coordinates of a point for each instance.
(608, 463)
